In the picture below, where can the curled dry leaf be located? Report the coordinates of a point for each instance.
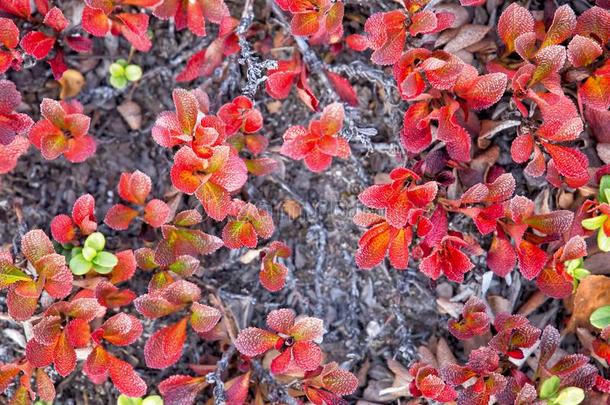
(593, 292)
(131, 113)
(71, 83)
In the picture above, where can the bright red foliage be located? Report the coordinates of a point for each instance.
(280, 81)
(63, 130)
(295, 338)
(321, 20)
(191, 14)
(405, 203)
(135, 188)
(65, 229)
(100, 18)
(320, 142)
(474, 322)
(273, 274)
(248, 225)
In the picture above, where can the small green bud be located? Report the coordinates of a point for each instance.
(118, 82)
(549, 387)
(96, 241)
(600, 318)
(603, 241)
(133, 73)
(122, 62)
(105, 259)
(125, 400)
(153, 400)
(89, 253)
(569, 396)
(116, 70)
(79, 265)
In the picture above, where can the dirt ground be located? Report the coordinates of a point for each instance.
(371, 316)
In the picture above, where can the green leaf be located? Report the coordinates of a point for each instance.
(96, 241)
(122, 62)
(125, 400)
(153, 400)
(75, 251)
(105, 259)
(116, 70)
(89, 253)
(10, 274)
(603, 241)
(79, 265)
(133, 73)
(604, 184)
(594, 223)
(549, 387)
(580, 273)
(572, 265)
(570, 396)
(118, 82)
(102, 269)
(600, 318)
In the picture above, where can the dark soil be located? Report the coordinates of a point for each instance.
(371, 316)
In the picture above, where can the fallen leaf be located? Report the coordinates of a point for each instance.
(468, 34)
(603, 151)
(131, 113)
(71, 83)
(249, 256)
(533, 303)
(592, 292)
(489, 128)
(444, 354)
(292, 208)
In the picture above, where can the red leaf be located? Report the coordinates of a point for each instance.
(164, 348)
(531, 259)
(37, 44)
(179, 389)
(514, 21)
(55, 19)
(570, 163)
(203, 317)
(95, 21)
(253, 341)
(62, 229)
(156, 213)
(343, 88)
(119, 217)
(125, 379)
(9, 34)
(121, 329)
(135, 30)
(501, 256)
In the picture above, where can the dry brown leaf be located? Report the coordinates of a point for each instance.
(460, 14)
(445, 306)
(499, 304)
(426, 356)
(489, 128)
(565, 199)
(468, 34)
(249, 256)
(533, 303)
(131, 113)
(592, 292)
(71, 83)
(402, 379)
(444, 354)
(274, 106)
(603, 151)
(292, 208)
